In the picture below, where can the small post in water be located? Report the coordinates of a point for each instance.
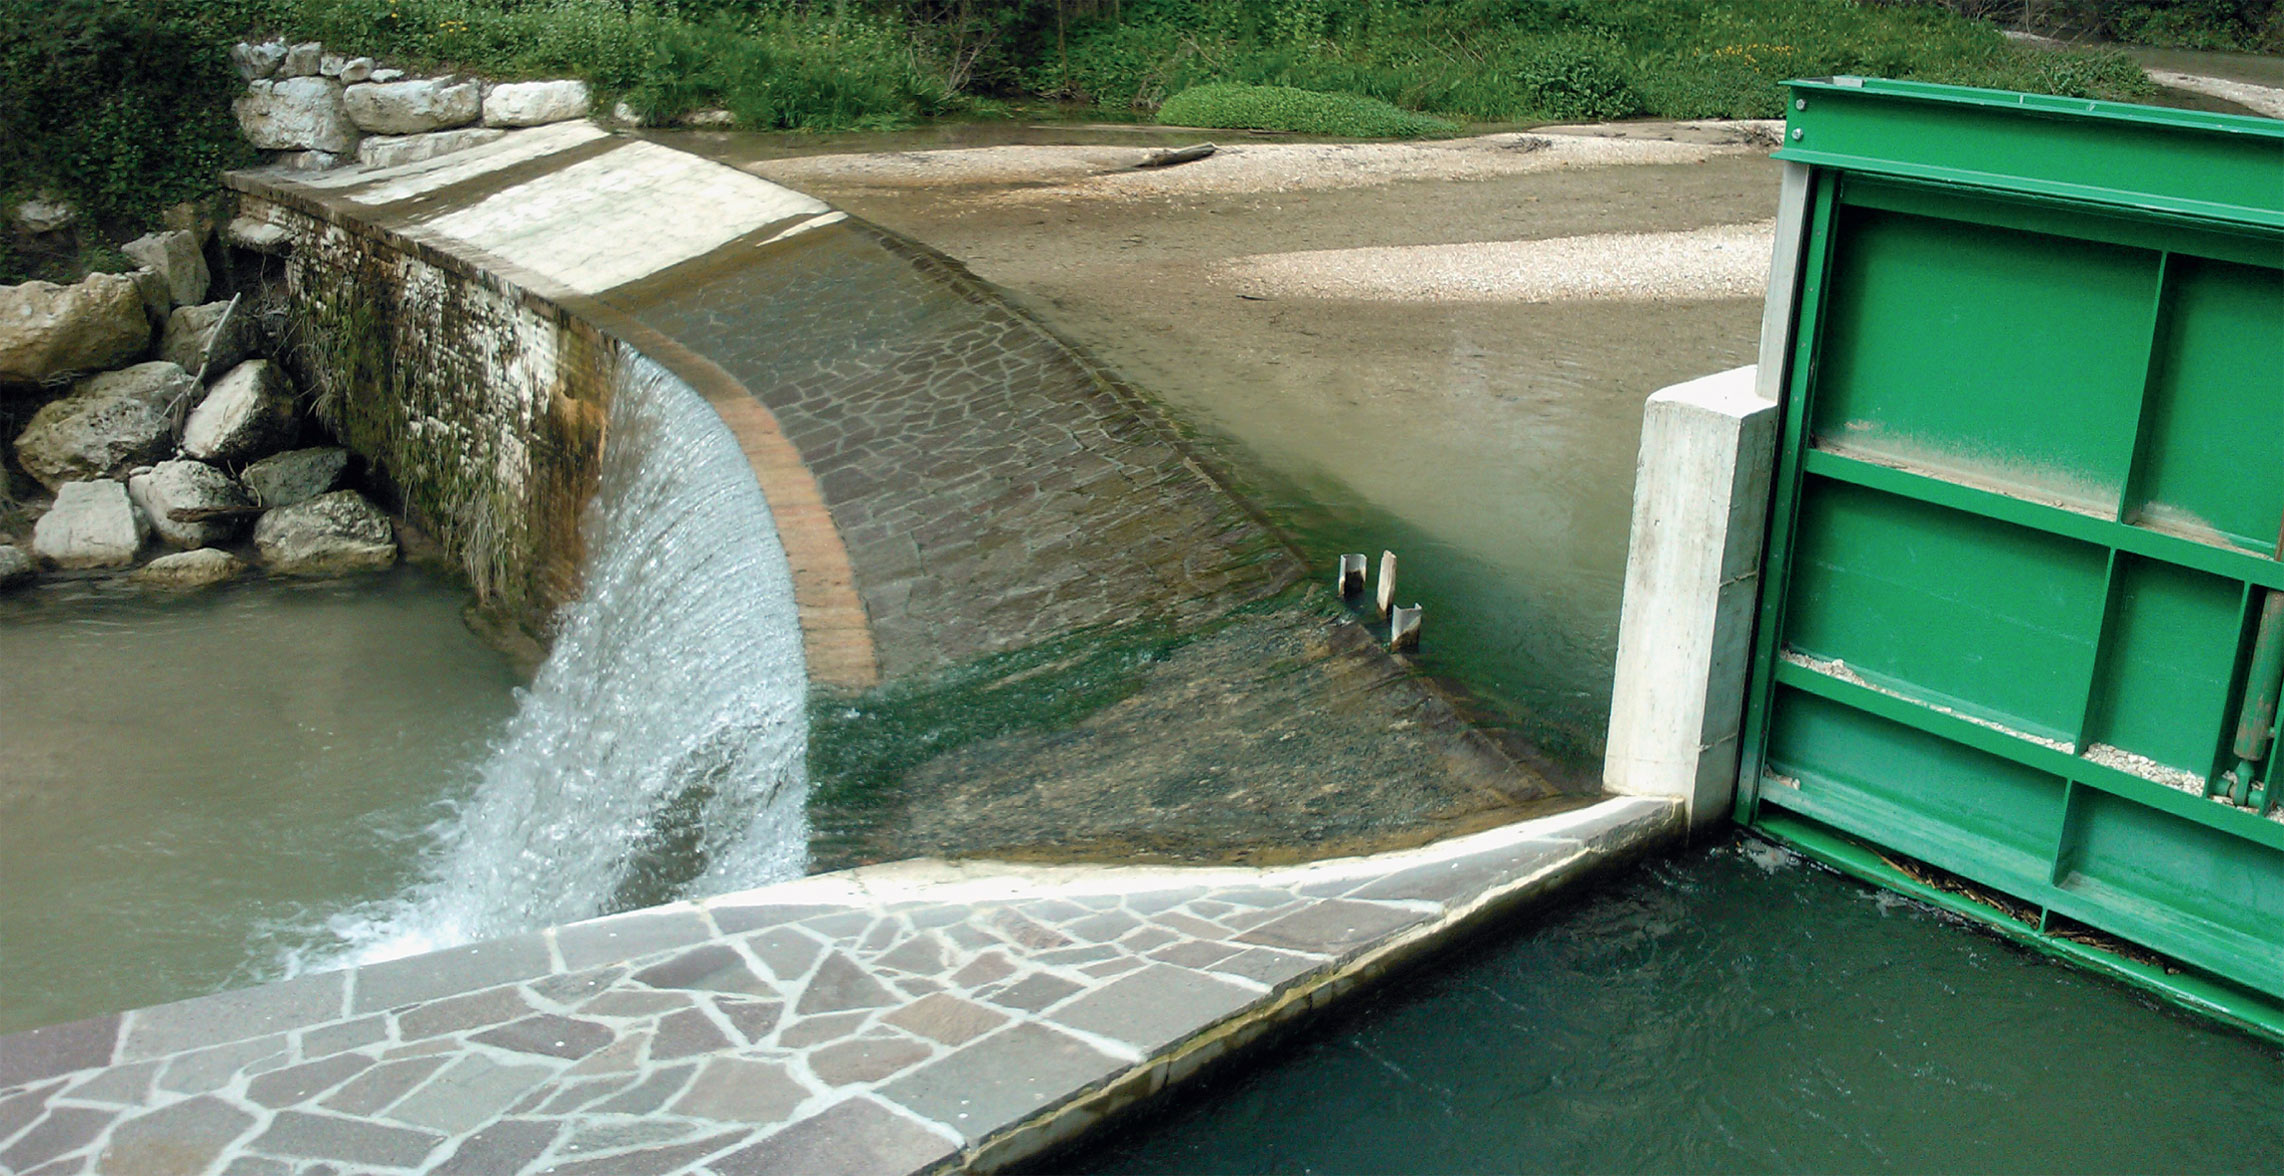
(1404, 629)
(1386, 594)
(1351, 575)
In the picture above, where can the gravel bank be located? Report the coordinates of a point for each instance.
(1029, 174)
(2268, 100)
(1723, 261)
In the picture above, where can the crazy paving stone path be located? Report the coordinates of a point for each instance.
(920, 1016)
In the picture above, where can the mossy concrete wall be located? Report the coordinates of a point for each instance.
(479, 408)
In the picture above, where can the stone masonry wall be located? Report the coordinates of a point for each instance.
(480, 407)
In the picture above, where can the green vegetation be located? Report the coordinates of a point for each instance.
(1525, 60)
(124, 108)
(2251, 26)
(120, 109)
(859, 748)
(1283, 108)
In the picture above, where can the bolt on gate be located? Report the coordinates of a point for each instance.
(2022, 629)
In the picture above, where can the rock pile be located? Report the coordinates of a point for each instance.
(315, 110)
(156, 426)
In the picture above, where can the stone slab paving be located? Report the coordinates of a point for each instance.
(921, 1016)
(993, 487)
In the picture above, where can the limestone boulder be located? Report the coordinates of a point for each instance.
(261, 236)
(247, 414)
(308, 161)
(16, 566)
(157, 298)
(302, 60)
(329, 535)
(174, 256)
(200, 568)
(41, 215)
(393, 150)
(196, 217)
(413, 107)
(531, 104)
(297, 475)
(91, 525)
(107, 425)
(256, 62)
(191, 330)
(356, 69)
(296, 114)
(189, 503)
(47, 331)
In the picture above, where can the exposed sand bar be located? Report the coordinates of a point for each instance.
(1723, 261)
(1038, 173)
(2268, 100)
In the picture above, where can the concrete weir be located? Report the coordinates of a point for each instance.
(920, 1015)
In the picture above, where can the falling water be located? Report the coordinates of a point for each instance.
(659, 752)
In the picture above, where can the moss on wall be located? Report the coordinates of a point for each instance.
(479, 411)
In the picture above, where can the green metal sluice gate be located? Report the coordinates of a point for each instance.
(2024, 608)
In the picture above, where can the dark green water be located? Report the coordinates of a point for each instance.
(1737, 1010)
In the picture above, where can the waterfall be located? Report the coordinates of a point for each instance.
(659, 752)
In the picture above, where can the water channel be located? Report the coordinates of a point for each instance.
(1736, 1009)
(276, 777)
(228, 769)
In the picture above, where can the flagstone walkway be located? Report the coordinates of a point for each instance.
(915, 1017)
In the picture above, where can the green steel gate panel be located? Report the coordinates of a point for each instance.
(2028, 517)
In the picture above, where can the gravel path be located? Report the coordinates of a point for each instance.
(1723, 261)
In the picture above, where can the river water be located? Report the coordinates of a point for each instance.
(208, 791)
(185, 781)
(1736, 1010)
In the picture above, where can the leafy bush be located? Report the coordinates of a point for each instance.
(1578, 78)
(2251, 25)
(1285, 108)
(782, 73)
(121, 109)
(1513, 60)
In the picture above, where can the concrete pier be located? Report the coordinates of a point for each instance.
(1692, 584)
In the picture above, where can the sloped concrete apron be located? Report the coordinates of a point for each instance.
(915, 1017)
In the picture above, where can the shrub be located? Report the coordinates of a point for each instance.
(1578, 78)
(783, 73)
(2251, 25)
(1286, 108)
(122, 109)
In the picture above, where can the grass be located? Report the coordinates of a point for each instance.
(1284, 108)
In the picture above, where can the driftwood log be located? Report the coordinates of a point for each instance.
(1169, 158)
